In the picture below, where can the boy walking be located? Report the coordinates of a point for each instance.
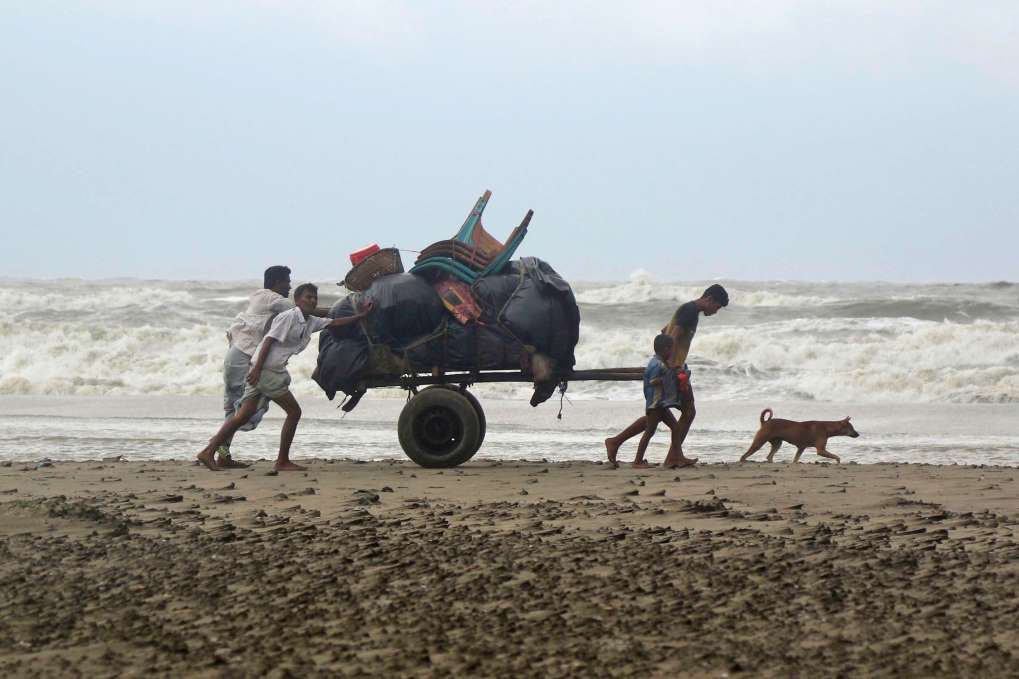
(659, 394)
(268, 379)
(681, 328)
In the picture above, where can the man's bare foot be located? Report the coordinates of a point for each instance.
(230, 463)
(612, 449)
(205, 457)
(682, 462)
(288, 467)
(642, 464)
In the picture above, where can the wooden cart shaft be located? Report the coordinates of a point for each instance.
(464, 377)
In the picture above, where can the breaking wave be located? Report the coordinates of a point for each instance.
(867, 342)
(847, 360)
(643, 288)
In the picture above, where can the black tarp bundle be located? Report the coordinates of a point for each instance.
(527, 309)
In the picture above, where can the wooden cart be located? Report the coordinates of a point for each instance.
(443, 424)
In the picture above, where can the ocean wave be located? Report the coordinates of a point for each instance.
(127, 338)
(90, 299)
(937, 301)
(865, 360)
(642, 288)
(91, 359)
(868, 360)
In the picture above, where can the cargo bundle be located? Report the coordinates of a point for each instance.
(465, 313)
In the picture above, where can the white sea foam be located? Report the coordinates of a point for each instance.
(642, 288)
(162, 338)
(852, 360)
(85, 297)
(86, 358)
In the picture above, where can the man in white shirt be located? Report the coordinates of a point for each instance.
(268, 378)
(244, 335)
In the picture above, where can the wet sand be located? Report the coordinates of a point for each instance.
(498, 569)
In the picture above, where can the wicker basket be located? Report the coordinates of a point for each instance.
(383, 263)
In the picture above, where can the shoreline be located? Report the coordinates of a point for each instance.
(481, 461)
(501, 568)
(153, 428)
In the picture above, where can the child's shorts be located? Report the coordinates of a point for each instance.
(271, 384)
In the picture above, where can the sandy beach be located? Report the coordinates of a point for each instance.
(508, 569)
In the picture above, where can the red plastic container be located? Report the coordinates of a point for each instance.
(358, 255)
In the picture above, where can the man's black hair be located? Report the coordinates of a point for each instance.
(662, 342)
(718, 293)
(303, 288)
(273, 275)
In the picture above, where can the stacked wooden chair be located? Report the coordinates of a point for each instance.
(472, 253)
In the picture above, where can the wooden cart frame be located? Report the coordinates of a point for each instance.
(443, 424)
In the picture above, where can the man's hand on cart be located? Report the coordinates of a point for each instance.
(365, 308)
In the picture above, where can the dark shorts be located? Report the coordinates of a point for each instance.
(685, 394)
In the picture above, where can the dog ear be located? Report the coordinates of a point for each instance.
(847, 418)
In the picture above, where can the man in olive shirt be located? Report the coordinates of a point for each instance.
(681, 327)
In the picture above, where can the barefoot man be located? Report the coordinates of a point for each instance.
(268, 379)
(244, 334)
(681, 328)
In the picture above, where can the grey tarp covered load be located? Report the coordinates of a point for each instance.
(527, 309)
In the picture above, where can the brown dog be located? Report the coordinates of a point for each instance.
(801, 434)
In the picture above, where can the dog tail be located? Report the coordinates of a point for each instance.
(766, 411)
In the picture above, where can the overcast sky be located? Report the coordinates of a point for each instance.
(853, 140)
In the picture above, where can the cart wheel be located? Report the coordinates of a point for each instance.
(482, 422)
(439, 428)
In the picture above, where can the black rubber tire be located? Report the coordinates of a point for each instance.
(482, 420)
(439, 428)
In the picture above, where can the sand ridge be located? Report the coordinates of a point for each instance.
(507, 569)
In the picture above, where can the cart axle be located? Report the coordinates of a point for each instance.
(411, 381)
